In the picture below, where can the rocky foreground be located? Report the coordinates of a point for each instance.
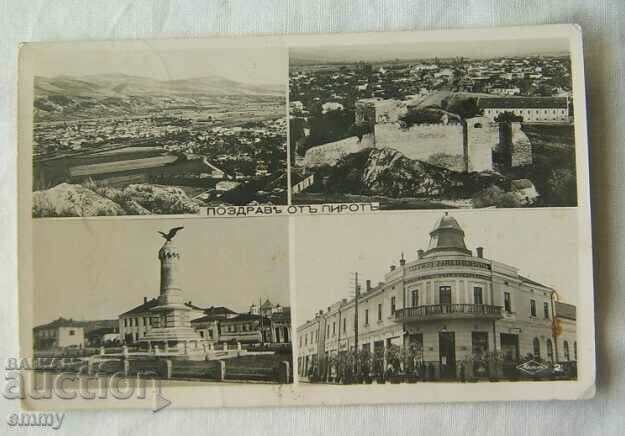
(387, 172)
(69, 200)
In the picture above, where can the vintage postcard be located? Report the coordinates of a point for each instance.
(305, 220)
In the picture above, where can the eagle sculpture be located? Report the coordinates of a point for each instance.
(172, 232)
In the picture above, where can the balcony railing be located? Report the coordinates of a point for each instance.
(449, 311)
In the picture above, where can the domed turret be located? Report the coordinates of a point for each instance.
(447, 236)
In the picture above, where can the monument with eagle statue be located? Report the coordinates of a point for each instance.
(172, 333)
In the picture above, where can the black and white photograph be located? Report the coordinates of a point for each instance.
(437, 297)
(433, 125)
(157, 131)
(405, 215)
(185, 299)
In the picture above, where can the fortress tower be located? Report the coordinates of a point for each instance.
(172, 332)
(365, 117)
(480, 139)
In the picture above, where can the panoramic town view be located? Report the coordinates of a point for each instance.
(113, 143)
(411, 128)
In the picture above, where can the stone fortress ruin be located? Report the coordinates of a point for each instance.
(459, 145)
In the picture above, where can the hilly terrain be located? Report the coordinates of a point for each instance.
(72, 97)
(123, 85)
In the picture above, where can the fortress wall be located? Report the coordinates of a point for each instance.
(329, 154)
(421, 141)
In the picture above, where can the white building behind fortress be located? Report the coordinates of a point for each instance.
(532, 109)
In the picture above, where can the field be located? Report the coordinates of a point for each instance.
(50, 172)
(120, 166)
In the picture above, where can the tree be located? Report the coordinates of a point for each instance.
(544, 90)
(466, 108)
(495, 196)
(360, 130)
(423, 116)
(523, 85)
(329, 127)
(296, 134)
(561, 188)
(507, 117)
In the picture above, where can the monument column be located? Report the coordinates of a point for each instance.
(174, 331)
(170, 291)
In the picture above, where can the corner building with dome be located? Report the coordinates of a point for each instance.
(454, 308)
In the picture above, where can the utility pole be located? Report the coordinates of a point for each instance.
(554, 324)
(402, 263)
(339, 341)
(262, 330)
(357, 293)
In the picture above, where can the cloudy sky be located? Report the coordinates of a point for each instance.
(542, 243)
(100, 268)
(428, 50)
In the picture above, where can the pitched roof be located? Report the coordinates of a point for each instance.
(246, 317)
(207, 318)
(61, 322)
(219, 310)
(532, 282)
(145, 307)
(522, 102)
(214, 314)
(193, 306)
(101, 324)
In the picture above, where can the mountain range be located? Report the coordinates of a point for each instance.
(64, 98)
(122, 85)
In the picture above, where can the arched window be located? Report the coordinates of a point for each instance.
(536, 348)
(575, 350)
(477, 125)
(549, 351)
(567, 356)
